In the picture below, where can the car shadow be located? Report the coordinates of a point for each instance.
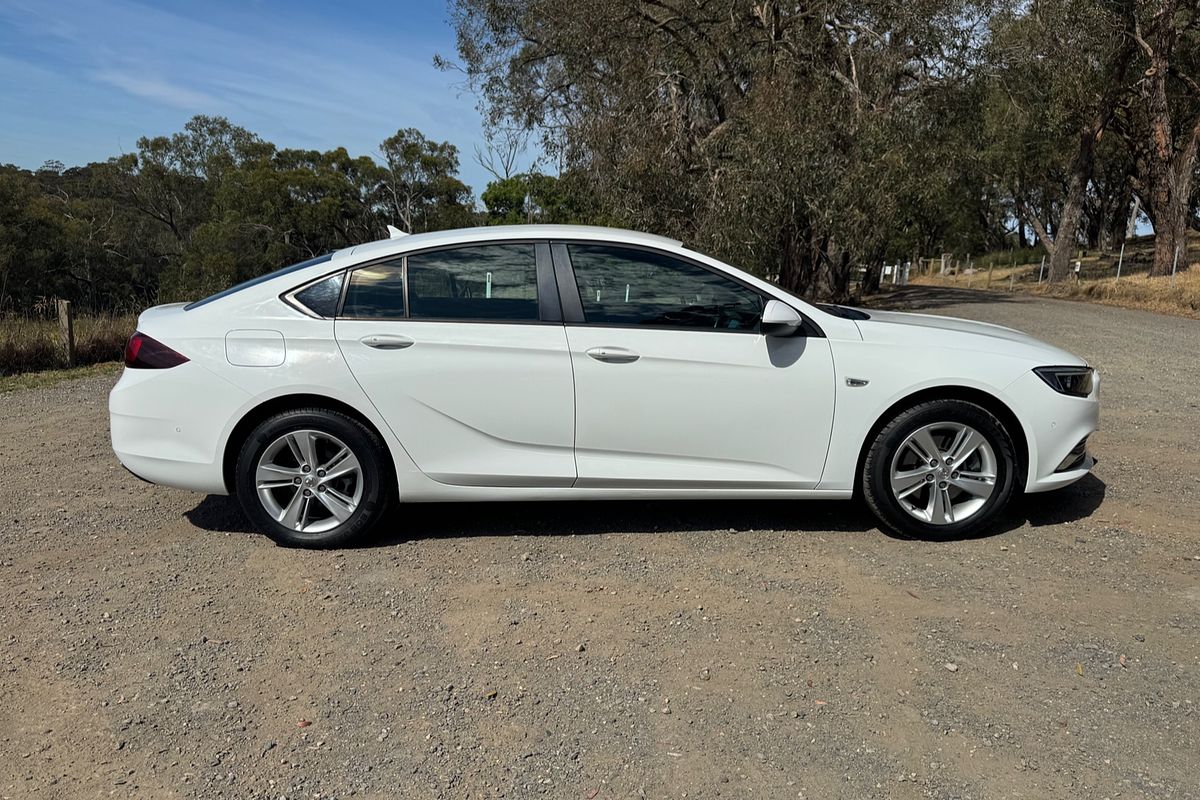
(418, 521)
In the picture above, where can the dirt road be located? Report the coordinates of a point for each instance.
(151, 647)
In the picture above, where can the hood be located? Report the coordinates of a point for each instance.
(960, 334)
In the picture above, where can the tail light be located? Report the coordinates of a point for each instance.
(145, 352)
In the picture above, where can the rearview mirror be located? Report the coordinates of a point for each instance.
(780, 319)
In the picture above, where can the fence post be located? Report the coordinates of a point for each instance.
(1175, 264)
(66, 326)
(1041, 269)
(991, 267)
(1120, 259)
(1012, 276)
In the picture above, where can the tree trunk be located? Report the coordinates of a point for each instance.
(1168, 162)
(1169, 235)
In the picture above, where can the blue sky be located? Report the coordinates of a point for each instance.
(81, 80)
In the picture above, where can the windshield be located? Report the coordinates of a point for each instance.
(260, 279)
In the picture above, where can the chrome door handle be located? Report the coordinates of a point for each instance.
(613, 355)
(387, 341)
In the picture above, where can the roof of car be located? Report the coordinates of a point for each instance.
(493, 232)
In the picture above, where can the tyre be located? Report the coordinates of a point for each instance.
(313, 478)
(939, 470)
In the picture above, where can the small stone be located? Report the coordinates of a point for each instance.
(950, 665)
(525, 556)
(579, 648)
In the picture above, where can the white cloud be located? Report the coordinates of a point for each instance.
(157, 89)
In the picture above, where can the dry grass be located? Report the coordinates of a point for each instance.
(1178, 296)
(32, 344)
(49, 377)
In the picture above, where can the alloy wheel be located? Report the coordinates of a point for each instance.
(943, 473)
(309, 481)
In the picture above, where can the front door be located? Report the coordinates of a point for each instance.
(466, 359)
(675, 387)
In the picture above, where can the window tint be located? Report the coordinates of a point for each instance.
(376, 291)
(322, 297)
(496, 281)
(621, 286)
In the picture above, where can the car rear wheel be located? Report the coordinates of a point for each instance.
(940, 469)
(312, 478)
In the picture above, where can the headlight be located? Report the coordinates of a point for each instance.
(1075, 381)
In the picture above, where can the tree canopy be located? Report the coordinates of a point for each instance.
(805, 142)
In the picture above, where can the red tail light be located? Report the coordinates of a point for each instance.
(144, 352)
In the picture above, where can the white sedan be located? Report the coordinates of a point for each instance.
(547, 362)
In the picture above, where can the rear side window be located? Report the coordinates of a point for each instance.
(487, 282)
(376, 292)
(624, 286)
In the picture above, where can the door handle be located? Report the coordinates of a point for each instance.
(387, 341)
(613, 355)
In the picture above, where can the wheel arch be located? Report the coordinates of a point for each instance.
(979, 397)
(277, 405)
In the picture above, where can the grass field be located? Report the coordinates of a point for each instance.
(33, 344)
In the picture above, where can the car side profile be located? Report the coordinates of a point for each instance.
(545, 362)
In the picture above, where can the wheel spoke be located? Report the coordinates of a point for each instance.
(909, 481)
(291, 512)
(274, 476)
(338, 504)
(337, 458)
(346, 466)
(923, 445)
(966, 443)
(306, 502)
(939, 508)
(304, 447)
(975, 483)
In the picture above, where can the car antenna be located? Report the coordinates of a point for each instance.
(395, 233)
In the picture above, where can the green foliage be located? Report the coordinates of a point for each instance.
(191, 213)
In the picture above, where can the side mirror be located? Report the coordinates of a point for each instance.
(780, 319)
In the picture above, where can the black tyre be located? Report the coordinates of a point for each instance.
(313, 478)
(940, 470)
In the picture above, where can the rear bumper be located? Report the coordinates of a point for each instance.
(166, 425)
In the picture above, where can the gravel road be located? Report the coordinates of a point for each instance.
(152, 647)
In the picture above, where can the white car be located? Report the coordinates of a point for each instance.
(546, 362)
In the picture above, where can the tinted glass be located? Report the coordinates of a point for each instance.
(620, 286)
(495, 281)
(260, 279)
(376, 291)
(322, 297)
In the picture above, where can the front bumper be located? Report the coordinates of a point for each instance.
(1055, 425)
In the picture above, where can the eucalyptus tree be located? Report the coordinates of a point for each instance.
(779, 136)
(1162, 123)
(1059, 70)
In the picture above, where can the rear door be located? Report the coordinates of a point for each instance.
(462, 350)
(675, 385)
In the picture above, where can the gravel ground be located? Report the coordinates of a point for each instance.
(152, 647)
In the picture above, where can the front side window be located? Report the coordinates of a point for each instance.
(484, 282)
(625, 286)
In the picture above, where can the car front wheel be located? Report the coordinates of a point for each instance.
(940, 469)
(312, 478)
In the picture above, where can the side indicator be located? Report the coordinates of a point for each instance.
(857, 382)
